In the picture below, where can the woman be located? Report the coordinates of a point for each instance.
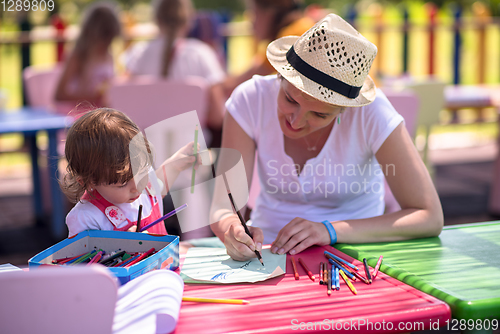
(325, 139)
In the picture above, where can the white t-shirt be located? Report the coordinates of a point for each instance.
(192, 57)
(344, 181)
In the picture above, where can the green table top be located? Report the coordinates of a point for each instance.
(460, 267)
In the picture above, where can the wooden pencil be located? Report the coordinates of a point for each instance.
(215, 300)
(294, 266)
(309, 273)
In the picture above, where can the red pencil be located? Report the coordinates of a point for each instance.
(295, 272)
(140, 258)
(379, 262)
(309, 273)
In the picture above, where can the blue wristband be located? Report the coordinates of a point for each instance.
(331, 231)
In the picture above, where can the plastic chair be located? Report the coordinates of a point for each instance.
(149, 100)
(432, 100)
(152, 103)
(58, 300)
(40, 84)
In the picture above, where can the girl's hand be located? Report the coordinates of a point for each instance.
(184, 158)
(298, 235)
(239, 245)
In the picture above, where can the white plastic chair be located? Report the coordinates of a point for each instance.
(432, 100)
(56, 300)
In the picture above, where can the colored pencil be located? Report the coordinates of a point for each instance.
(367, 270)
(140, 258)
(123, 262)
(96, 258)
(215, 300)
(321, 273)
(309, 273)
(344, 269)
(329, 290)
(112, 257)
(351, 287)
(64, 260)
(83, 258)
(139, 219)
(294, 266)
(377, 267)
(337, 279)
(195, 151)
(168, 215)
(331, 256)
(325, 274)
(247, 231)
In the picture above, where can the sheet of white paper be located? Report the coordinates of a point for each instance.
(213, 265)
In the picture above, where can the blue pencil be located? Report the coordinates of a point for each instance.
(349, 274)
(168, 215)
(337, 279)
(341, 260)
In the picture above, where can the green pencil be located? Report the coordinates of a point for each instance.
(195, 151)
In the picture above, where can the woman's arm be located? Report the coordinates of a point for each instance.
(420, 215)
(227, 226)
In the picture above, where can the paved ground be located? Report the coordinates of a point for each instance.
(462, 179)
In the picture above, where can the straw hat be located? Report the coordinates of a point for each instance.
(330, 62)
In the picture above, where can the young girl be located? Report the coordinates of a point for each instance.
(109, 174)
(90, 66)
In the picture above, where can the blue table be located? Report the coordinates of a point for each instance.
(29, 121)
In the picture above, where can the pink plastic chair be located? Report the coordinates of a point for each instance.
(78, 300)
(41, 84)
(149, 100)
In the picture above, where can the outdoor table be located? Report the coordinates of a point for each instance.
(460, 267)
(30, 121)
(285, 305)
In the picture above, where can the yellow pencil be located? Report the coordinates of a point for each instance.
(215, 300)
(349, 284)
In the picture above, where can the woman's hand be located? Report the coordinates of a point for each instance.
(298, 235)
(239, 245)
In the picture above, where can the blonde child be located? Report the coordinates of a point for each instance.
(109, 174)
(90, 65)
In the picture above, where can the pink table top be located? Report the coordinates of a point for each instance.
(284, 305)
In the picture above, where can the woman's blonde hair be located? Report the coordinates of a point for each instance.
(171, 16)
(100, 23)
(98, 151)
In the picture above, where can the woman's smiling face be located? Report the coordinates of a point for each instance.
(299, 114)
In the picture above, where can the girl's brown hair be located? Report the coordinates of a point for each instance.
(171, 16)
(100, 23)
(97, 150)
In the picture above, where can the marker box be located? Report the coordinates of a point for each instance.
(166, 247)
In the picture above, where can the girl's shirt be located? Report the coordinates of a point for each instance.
(191, 58)
(86, 216)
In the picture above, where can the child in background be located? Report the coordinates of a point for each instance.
(173, 56)
(109, 174)
(90, 66)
